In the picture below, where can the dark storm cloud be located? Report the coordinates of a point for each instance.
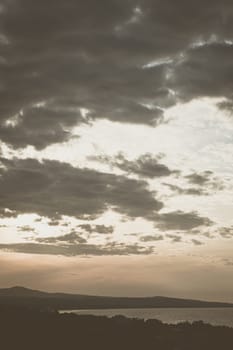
(176, 24)
(102, 229)
(179, 220)
(146, 165)
(77, 249)
(39, 126)
(65, 56)
(205, 70)
(52, 189)
(59, 56)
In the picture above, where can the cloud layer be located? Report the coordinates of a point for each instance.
(119, 60)
(53, 189)
(65, 64)
(70, 250)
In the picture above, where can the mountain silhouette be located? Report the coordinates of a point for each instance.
(58, 301)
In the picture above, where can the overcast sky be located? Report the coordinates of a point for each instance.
(116, 146)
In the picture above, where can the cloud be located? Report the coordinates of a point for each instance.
(179, 220)
(77, 249)
(151, 238)
(181, 23)
(119, 60)
(38, 219)
(54, 222)
(52, 189)
(77, 60)
(7, 213)
(190, 191)
(208, 235)
(199, 179)
(197, 242)
(225, 232)
(71, 237)
(40, 126)
(205, 70)
(226, 105)
(26, 228)
(227, 262)
(205, 183)
(146, 165)
(174, 238)
(102, 229)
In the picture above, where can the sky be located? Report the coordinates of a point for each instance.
(116, 147)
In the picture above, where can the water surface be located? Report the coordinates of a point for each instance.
(214, 316)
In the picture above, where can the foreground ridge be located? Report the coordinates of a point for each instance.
(22, 328)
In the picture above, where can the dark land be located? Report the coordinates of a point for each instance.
(26, 328)
(61, 301)
(30, 320)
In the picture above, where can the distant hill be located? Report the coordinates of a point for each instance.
(61, 301)
(21, 292)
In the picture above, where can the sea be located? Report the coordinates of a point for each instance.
(214, 316)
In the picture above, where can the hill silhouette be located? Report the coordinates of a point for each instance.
(62, 301)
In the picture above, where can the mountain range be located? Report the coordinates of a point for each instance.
(61, 301)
